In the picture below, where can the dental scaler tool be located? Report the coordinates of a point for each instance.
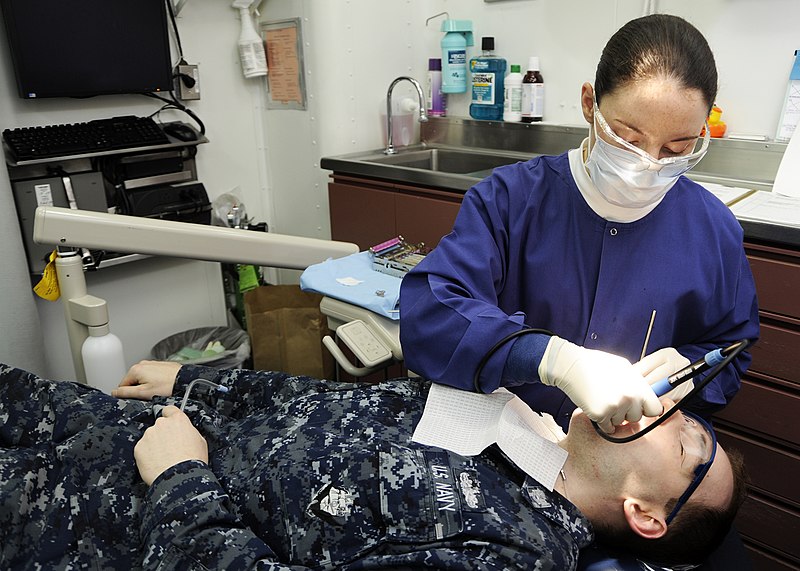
(709, 360)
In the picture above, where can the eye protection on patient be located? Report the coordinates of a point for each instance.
(633, 158)
(698, 449)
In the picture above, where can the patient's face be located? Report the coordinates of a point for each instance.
(664, 459)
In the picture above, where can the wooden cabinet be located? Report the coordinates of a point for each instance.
(368, 212)
(763, 420)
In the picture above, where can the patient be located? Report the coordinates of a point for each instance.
(294, 473)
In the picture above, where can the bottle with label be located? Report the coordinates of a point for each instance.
(456, 40)
(488, 83)
(512, 100)
(437, 100)
(251, 47)
(532, 93)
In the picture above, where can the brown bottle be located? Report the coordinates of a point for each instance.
(532, 93)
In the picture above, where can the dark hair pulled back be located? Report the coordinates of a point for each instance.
(657, 45)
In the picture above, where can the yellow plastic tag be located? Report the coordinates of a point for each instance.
(48, 288)
(248, 277)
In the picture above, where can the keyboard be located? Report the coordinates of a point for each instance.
(30, 143)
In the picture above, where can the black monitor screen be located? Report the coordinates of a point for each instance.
(80, 48)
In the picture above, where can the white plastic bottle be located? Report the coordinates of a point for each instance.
(512, 102)
(103, 359)
(251, 47)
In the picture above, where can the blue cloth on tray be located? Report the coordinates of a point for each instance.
(332, 277)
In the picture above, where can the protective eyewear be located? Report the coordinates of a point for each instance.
(699, 447)
(641, 160)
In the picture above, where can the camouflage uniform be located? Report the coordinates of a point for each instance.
(302, 474)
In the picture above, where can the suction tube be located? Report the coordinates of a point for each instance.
(728, 353)
(718, 359)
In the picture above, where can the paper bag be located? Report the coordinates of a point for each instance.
(286, 329)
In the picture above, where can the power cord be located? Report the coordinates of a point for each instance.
(174, 103)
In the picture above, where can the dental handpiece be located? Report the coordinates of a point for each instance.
(709, 360)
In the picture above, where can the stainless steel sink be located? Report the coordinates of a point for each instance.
(473, 164)
(436, 167)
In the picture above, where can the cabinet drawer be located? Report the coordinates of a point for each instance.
(777, 284)
(362, 215)
(423, 219)
(766, 410)
(776, 352)
(762, 561)
(770, 524)
(771, 470)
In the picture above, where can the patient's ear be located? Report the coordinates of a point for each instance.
(643, 519)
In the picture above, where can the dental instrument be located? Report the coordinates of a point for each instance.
(219, 388)
(717, 358)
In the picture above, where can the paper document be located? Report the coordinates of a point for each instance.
(727, 194)
(466, 423)
(764, 206)
(787, 179)
(790, 116)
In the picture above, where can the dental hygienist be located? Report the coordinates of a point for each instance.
(590, 245)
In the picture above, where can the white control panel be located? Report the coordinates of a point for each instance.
(364, 344)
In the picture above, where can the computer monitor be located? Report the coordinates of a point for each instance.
(83, 48)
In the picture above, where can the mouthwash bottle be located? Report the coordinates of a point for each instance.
(488, 77)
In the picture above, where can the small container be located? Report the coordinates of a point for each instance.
(437, 100)
(456, 40)
(103, 359)
(488, 82)
(532, 93)
(512, 101)
(405, 124)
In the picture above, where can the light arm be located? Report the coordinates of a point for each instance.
(118, 233)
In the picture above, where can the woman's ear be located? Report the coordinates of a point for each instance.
(587, 102)
(644, 520)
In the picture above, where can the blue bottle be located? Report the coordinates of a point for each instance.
(458, 36)
(488, 83)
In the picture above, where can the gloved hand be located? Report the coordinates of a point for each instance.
(661, 364)
(605, 386)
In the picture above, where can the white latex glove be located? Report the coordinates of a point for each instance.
(607, 387)
(661, 364)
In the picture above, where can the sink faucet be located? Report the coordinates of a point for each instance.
(422, 116)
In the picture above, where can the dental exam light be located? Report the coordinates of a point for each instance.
(119, 233)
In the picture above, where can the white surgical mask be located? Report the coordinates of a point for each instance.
(633, 179)
(621, 186)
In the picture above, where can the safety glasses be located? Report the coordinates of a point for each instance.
(699, 444)
(639, 160)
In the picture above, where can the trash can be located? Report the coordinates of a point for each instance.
(218, 347)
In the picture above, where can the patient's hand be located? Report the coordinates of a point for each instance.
(147, 379)
(171, 440)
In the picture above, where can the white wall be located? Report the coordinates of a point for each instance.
(151, 299)
(353, 50)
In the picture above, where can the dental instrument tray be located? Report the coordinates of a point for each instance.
(396, 257)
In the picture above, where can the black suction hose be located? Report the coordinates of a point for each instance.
(730, 353)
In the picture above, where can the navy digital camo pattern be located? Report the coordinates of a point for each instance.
(303, 474)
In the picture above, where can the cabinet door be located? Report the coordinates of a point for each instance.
(425, 219)
(362, 215)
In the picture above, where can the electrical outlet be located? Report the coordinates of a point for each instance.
(186, 73)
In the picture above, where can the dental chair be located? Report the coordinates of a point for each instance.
(730, 555)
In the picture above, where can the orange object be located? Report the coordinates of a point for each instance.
(716, 126)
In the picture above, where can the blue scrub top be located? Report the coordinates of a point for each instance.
(526, 250)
